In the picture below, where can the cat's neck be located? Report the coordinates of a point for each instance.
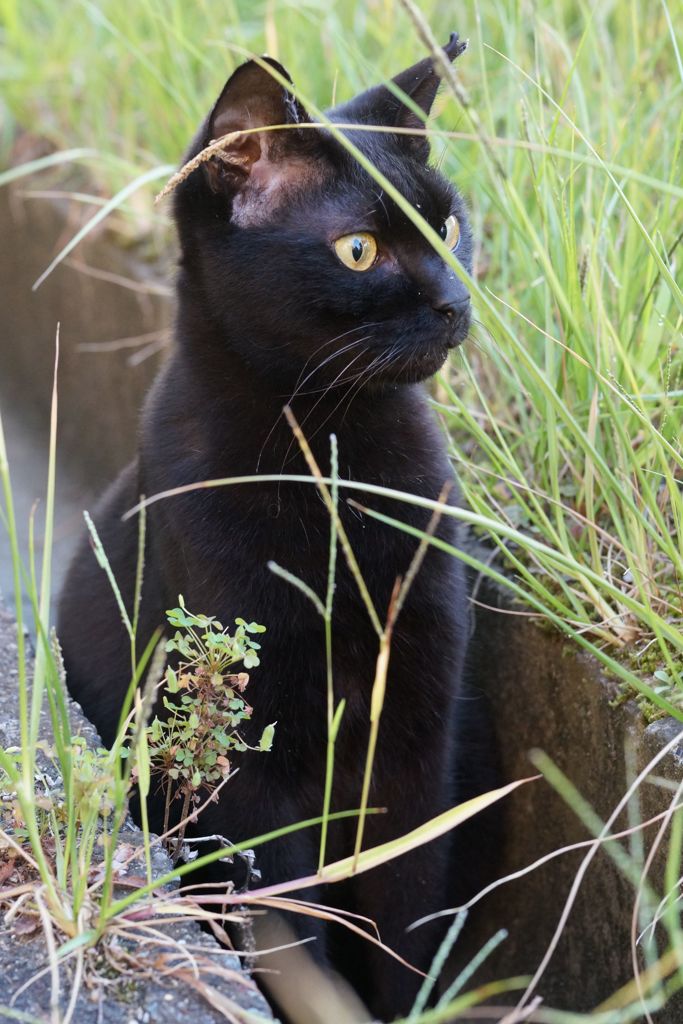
(383, 433)
(248, 415)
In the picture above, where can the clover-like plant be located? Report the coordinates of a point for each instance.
(192, 747)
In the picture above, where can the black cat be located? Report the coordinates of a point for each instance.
(301, 281)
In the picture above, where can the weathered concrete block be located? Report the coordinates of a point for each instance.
(549, 696)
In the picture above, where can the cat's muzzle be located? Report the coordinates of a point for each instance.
(458, 322)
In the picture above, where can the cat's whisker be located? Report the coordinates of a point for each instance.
(335, 382)
(338, 337)
(472, 339)
(361, 385)
(338, 382)
(297, 392)
(317, 403)
(380, 198)
(300, 383)
(377, 364)
(326, 361)
(352, 382)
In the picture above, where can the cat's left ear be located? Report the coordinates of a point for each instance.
(420, 83)
(385, 106)
(253, 99)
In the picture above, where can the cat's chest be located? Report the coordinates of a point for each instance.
(295, 530)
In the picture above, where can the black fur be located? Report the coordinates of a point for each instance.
(267, 314)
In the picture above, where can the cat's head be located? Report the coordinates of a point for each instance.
(298, 258)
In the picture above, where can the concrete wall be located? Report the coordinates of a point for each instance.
(546, 695)
(101, 390)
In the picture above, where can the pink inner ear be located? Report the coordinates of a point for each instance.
(254, 113)
(233, 163)
(244, 151)
(260, 171)
(261, 155)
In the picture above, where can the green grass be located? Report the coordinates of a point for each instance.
(565, 412)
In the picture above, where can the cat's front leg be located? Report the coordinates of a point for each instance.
(394, 896)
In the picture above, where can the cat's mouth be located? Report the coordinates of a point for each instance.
(394, 351)
(418, 367)
(422, 353)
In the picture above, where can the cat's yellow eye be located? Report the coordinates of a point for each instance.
(358, 251)
(450, 232)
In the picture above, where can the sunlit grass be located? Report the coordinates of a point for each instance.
(565, 411)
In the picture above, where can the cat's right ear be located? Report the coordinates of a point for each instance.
(253, 99)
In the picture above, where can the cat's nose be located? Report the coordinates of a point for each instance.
(449, 295)
(451, 306)
(441, 288)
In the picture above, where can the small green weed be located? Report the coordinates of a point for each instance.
(194, 744)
